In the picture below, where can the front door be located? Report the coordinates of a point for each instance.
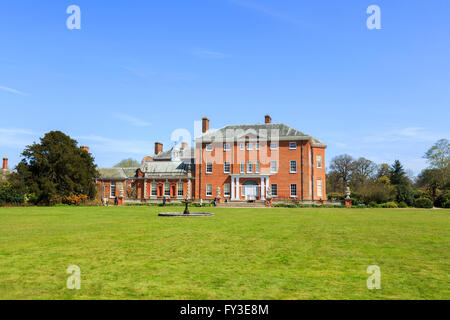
(250, 190)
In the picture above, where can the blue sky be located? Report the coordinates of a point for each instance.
(137, 70)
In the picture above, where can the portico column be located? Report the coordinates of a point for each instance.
(262, 189)
(145, 188)
(238, 194)
(233, 189)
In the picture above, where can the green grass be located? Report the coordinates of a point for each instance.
(131, 253)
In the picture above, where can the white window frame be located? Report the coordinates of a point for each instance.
(227, 190)
(209, 165)
(319, 161)
(274, 194)
(257, 146)
(250, 166)
(225, 164)
(319, 190)
(180, 189)
(271, 167)
(153, 189)
(274, 146)
(167, 189)
(209, 148)
(242, 167)
(209, 192)
(292, 145)
(290, 166)
(242, 146)
(249, 146)
(296, 190)
(226, 147)
(257, 167)
(113, 186)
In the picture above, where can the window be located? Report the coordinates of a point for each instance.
(257, 167)
(226, 147)
(319, 188)
(319, 161)
(249, 167)
(167, 189)
(209, 147)
(226, 190)
(293, 166)
(209, 190)
(249, 146)
(257, 146)
(242, 146)
(273, 166)
(293, 191)
(292, 145)
(209, 167)
(113, 189)
(273, 145)
(274, 189)
(242, 167)
(180, 187)
(154, 191)
(226, 167)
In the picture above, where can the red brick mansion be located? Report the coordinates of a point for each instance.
(234, 163)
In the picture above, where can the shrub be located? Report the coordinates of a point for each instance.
(10, 196)
(423, 203)
(335, 196)
(377, 192)
(443, 201)
(402, 205)
(421, 194)
(390, 204)
(75, 200)
(373, 204)
(404, 194)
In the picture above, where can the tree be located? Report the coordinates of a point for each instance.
(384, 170)
(55, 168)
(438, 157)
(342, 166)
(127, 163)
(363, 169)
(398, 174)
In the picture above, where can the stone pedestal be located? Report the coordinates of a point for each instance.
(269, 203)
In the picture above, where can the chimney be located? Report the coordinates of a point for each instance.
(85, 148)
(268, 119)
(184, 145)
(5, 163)
(158, 148)
(205, 125)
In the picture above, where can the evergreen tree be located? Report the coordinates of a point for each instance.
(54, 168)
(398, 174)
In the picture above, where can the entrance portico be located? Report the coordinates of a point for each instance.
(250, 189)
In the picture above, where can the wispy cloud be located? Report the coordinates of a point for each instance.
(204, 53)
(132, 120)
(266, 11)
(11, 90)
(406, 134)
(16, 138)
(103, 144)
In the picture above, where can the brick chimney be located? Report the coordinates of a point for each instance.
(158, 148)
(184, 145)
(268, 119)
(5, 163)
(85, 148)
(205, 125)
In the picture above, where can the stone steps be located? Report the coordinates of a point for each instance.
(242, 204)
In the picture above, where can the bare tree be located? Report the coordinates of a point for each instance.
(342, 168)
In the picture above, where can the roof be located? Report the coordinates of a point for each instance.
(267, 131)
(112, 174)
(186, 153)
(165, 168)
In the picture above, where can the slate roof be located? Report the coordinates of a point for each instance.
(167, 155)
(112, 174)
(165, 168)
(236, 132)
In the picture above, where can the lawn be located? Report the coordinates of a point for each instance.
(131, 253)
